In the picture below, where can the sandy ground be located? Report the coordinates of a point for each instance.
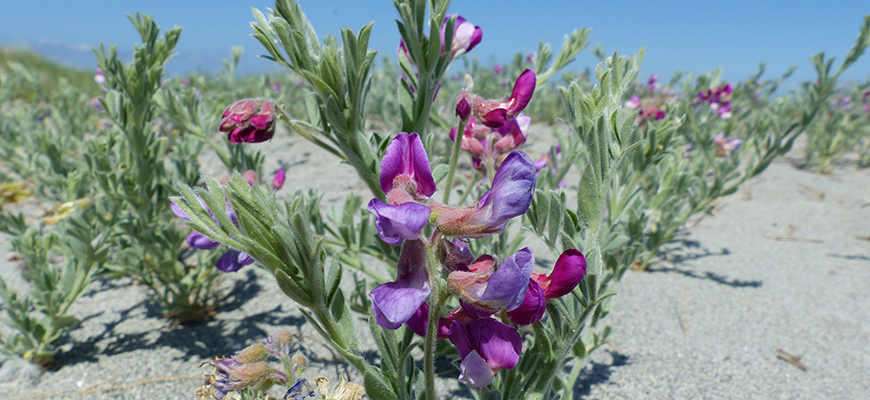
(783, 264)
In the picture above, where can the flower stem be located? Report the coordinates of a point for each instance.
(429, 345)
(457, 143)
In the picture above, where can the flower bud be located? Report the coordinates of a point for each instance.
(463, 108)
(278, 180)
(249, 121)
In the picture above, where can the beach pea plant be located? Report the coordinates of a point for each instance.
(461, 275)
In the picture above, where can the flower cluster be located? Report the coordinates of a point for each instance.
(654, 105)
(249, 121)
(483, 285)
(496, 127)
(719, 99)
(249, 368)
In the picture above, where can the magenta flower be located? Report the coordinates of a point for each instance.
(463, 106)
(569, 270)
(495, 113)
(510, 195)
(249, 121)
(492, 287)
(533, 306)
(465, 35)
(395, 302)
(486, 346)
(278, 180)
(420, 321)
(513, 134)
(497, 69)
(403, 221)
(405, 171)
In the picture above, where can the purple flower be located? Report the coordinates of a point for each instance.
(276, 87)
(497, 69)
(651, 82)
(197, 240)
(99, 78)
(465, 35)
(495, 113)
(395, 302)
(634, 102)
(405, 171)
(233, 261)
(569, 270)
(96, 104)
(278, 180)
(404, 221)
(725, 147)
(533, 306)
(486, 346)
(492, 287)
(249, 121)
(510, 195)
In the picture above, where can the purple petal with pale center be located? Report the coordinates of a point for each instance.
(474, 371)
(406, 155)
(395, 223)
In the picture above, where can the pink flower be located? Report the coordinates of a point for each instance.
(725, 147)
(249, 121)
(278, 180)
(495, 113)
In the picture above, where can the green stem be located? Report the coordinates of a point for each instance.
(457, 143)
(474, 181)
(429, 344)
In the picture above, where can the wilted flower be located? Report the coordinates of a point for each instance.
(394, 303)
(249, 121)
(486, 346)
(510, 195)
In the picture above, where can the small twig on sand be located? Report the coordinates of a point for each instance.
(794, 239)
(791, 359)
(110, 388)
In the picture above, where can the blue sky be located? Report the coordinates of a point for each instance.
(694, 36)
